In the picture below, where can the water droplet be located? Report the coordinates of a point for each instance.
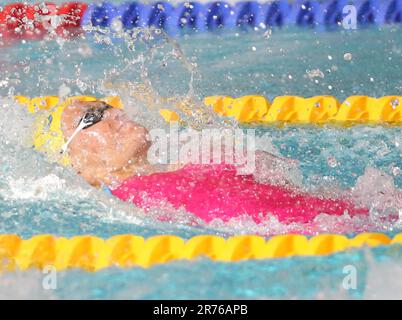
(64, 90)
(267, 34)
(395, 171)
(316, 73)
(394, 103)
(81, 85)
(347, 56)
(116, 25)
(332, 162)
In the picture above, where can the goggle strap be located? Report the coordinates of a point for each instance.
(81, 126)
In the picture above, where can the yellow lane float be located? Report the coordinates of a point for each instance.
(314, 110)
(93, 253)
(258, 109)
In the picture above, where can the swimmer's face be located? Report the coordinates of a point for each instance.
(112, 143)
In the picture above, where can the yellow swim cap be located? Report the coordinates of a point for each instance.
(48, 136)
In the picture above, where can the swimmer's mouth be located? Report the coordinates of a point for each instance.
(90, 118)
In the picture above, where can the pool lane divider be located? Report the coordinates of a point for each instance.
(318, 110)
(313, 110)
(93, 253)
(32, 21)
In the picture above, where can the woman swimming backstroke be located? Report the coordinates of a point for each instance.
(107, 148)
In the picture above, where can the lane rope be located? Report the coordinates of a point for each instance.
(24, 21)
(283, 109)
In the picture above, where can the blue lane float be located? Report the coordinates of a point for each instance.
(195, 16)
(191, 16)
(275, 14)
(134, 15)
(333, 14)
(393, 12)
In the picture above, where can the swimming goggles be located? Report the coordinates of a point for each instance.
(91, 117)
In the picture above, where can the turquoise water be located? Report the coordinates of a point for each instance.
(234, 64)
(41, 197)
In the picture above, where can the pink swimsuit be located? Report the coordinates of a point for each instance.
(216, 191)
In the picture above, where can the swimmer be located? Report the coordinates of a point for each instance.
(107, 148)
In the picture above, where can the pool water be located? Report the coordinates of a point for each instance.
(37, 196)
